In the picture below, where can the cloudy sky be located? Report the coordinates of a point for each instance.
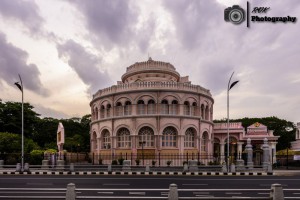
(67, 50)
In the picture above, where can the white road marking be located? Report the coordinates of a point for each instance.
(233, 193)
(137, 193)
(33, 192)
(200, 192)
(105, 192)
(164, 193)
(194, 184)
(115, 184)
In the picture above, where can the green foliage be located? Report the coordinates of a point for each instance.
(114, 162)
(36, 157)
(10, 143)
(120, 160)
(137, 161)
(50, 151)
(169, 162)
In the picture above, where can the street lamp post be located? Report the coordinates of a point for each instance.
(143, 143)
(228, 140)
(21, 88)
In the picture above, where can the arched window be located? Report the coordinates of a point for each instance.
(123, 137)
(94, 141)
(206, 113)
(189, 138)
(102, 112)
(96, 113)
(204, 141)
(146, 135)
(141, 107)
(108, 110)
(169, 137)
(164, 107)
(186, 109)
(151, 106)
(174, 107)
(106, 140)
(127, 109)
(202, 111)
(194, 109)
(119, 109)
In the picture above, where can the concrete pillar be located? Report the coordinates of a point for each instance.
(273, 149)
(240, 150)
(193, 165)
(18, 167)
(173, 192)
(147, 169)
(60, 165)
(109, 169)
(1, 164)
(26, 167)
(249, 151)
(232, 167)
(71, 192)
(72, 167)
(126, 166)
(276, 192)
(222, 149)
(185, 167)
(266, 154)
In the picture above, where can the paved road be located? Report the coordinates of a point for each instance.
(135, 185)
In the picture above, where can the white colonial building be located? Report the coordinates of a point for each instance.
(155, 112)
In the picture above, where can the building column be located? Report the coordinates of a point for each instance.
(273, 149)
(222, 151)
(240, 150)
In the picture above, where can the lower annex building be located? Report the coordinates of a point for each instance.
(156, 113)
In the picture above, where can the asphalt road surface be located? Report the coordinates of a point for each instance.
(118, 187)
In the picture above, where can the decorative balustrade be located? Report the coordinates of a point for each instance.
(151, 85)
(231, 125)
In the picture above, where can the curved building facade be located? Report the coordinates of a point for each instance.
(152, 111)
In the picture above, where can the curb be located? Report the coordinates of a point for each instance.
(142, 173)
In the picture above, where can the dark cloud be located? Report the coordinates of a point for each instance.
(48, 112)
(13, 61)
(194, 19)
(26, 12)
(85, 64)
(112, 21)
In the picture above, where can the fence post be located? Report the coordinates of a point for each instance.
(276, 192)
(173, 192)
(72, 167)
(71, 192)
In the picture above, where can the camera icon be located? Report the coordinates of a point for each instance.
(234, 14)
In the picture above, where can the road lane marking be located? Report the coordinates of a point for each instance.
(137, 193)
(233, 193)
(164, 193)
(33, 192)
(200, 192)
(105, 192)
(194, 184)
(118, 184)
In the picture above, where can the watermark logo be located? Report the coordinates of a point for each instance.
(234, 14)
(238, 15)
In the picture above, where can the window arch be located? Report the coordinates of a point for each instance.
(202, 111)
(204, 141)
(186, 109)
(106, 139)
(151, 106)
(164, 107)
(108, 110)
(206, 113)
(146, 135)
(127, 108)
(141, 107)
(96, 113)
(102, 112)
(194, 109)
(123, 137)
(169, 137)
(174, 107)
(189, 137)
(119, 109)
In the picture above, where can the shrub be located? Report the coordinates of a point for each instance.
(153, 162)
(120, 160)
(169, 162)
(36, 157)
(137, 161)
(114, 162)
